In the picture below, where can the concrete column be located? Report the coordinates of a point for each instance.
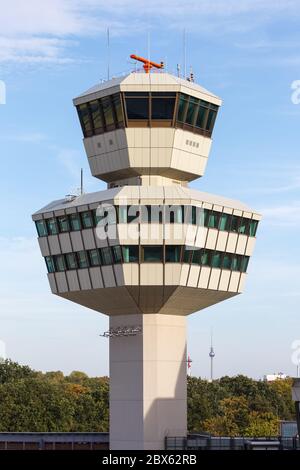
(147, 382)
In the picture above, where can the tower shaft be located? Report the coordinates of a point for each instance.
(147, 381)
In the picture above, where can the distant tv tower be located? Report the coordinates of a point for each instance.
(211, 355)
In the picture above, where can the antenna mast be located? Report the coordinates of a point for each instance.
(211, 355)
(184, 53)
(108, 54)
(81, 181)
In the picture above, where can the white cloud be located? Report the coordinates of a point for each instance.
(44, 31)
(285, 215)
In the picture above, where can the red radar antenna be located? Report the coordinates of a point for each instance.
(148, 64)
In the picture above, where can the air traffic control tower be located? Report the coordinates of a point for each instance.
(148, 251)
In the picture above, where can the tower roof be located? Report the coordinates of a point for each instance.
(140, 81)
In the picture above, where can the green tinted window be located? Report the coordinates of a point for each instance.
(226, 263)
(197, 254)
(187, 254)
(131, 253)
(235, 222)
(224, 221)
(117, 253)
(236, 263)
(106, 256)
(94, 256)
(152, 254)
(41, 228)
(244, 263)
(253, 228)
(213, 221)
(87, 219)
(205, 258)
(50, 264)
(191, 111)
(211, 120)
(216, 259)
(82, 259)
(71, 261)
(63, 223)
(75, 221)
(173, 254)
(244, 225)
(60, 263)
(52, 226)
(182, 106)
(201, 117)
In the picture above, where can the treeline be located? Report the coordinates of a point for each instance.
(32, 401)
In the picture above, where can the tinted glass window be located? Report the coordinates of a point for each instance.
(253, 228)
(137, 108)
(84, 116)
(236, 263)
(108, 113)
(205, 257)
(41, 228)
(235, 222)
(182, 108)
(82, 259)
(191, 111)
(213, 221)
(226, 263)
(131, 253)
(94, 256)
(224, 221)
(63, 223)
(216, 259)
(187, 255)
(244, 226)
(173, 254)
(75, 221)
(87, 219)
(196, 259)
(162, 108)
(118, 108)
(71, 261)
(106, 256)
(201, 117)
(244, 263)
(152, 254)
(117, 252)
(211, 120)
(50, 264)
(96, 115)
(52, 226)
(60, 263)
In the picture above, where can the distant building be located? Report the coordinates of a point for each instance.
(272, 377)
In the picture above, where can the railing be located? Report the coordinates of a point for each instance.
(204, 442)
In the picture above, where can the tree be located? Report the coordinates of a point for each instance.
(262, 424)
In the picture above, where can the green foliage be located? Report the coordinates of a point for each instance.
(239, 406)
(33, 401)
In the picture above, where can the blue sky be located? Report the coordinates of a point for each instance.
(247, 52)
